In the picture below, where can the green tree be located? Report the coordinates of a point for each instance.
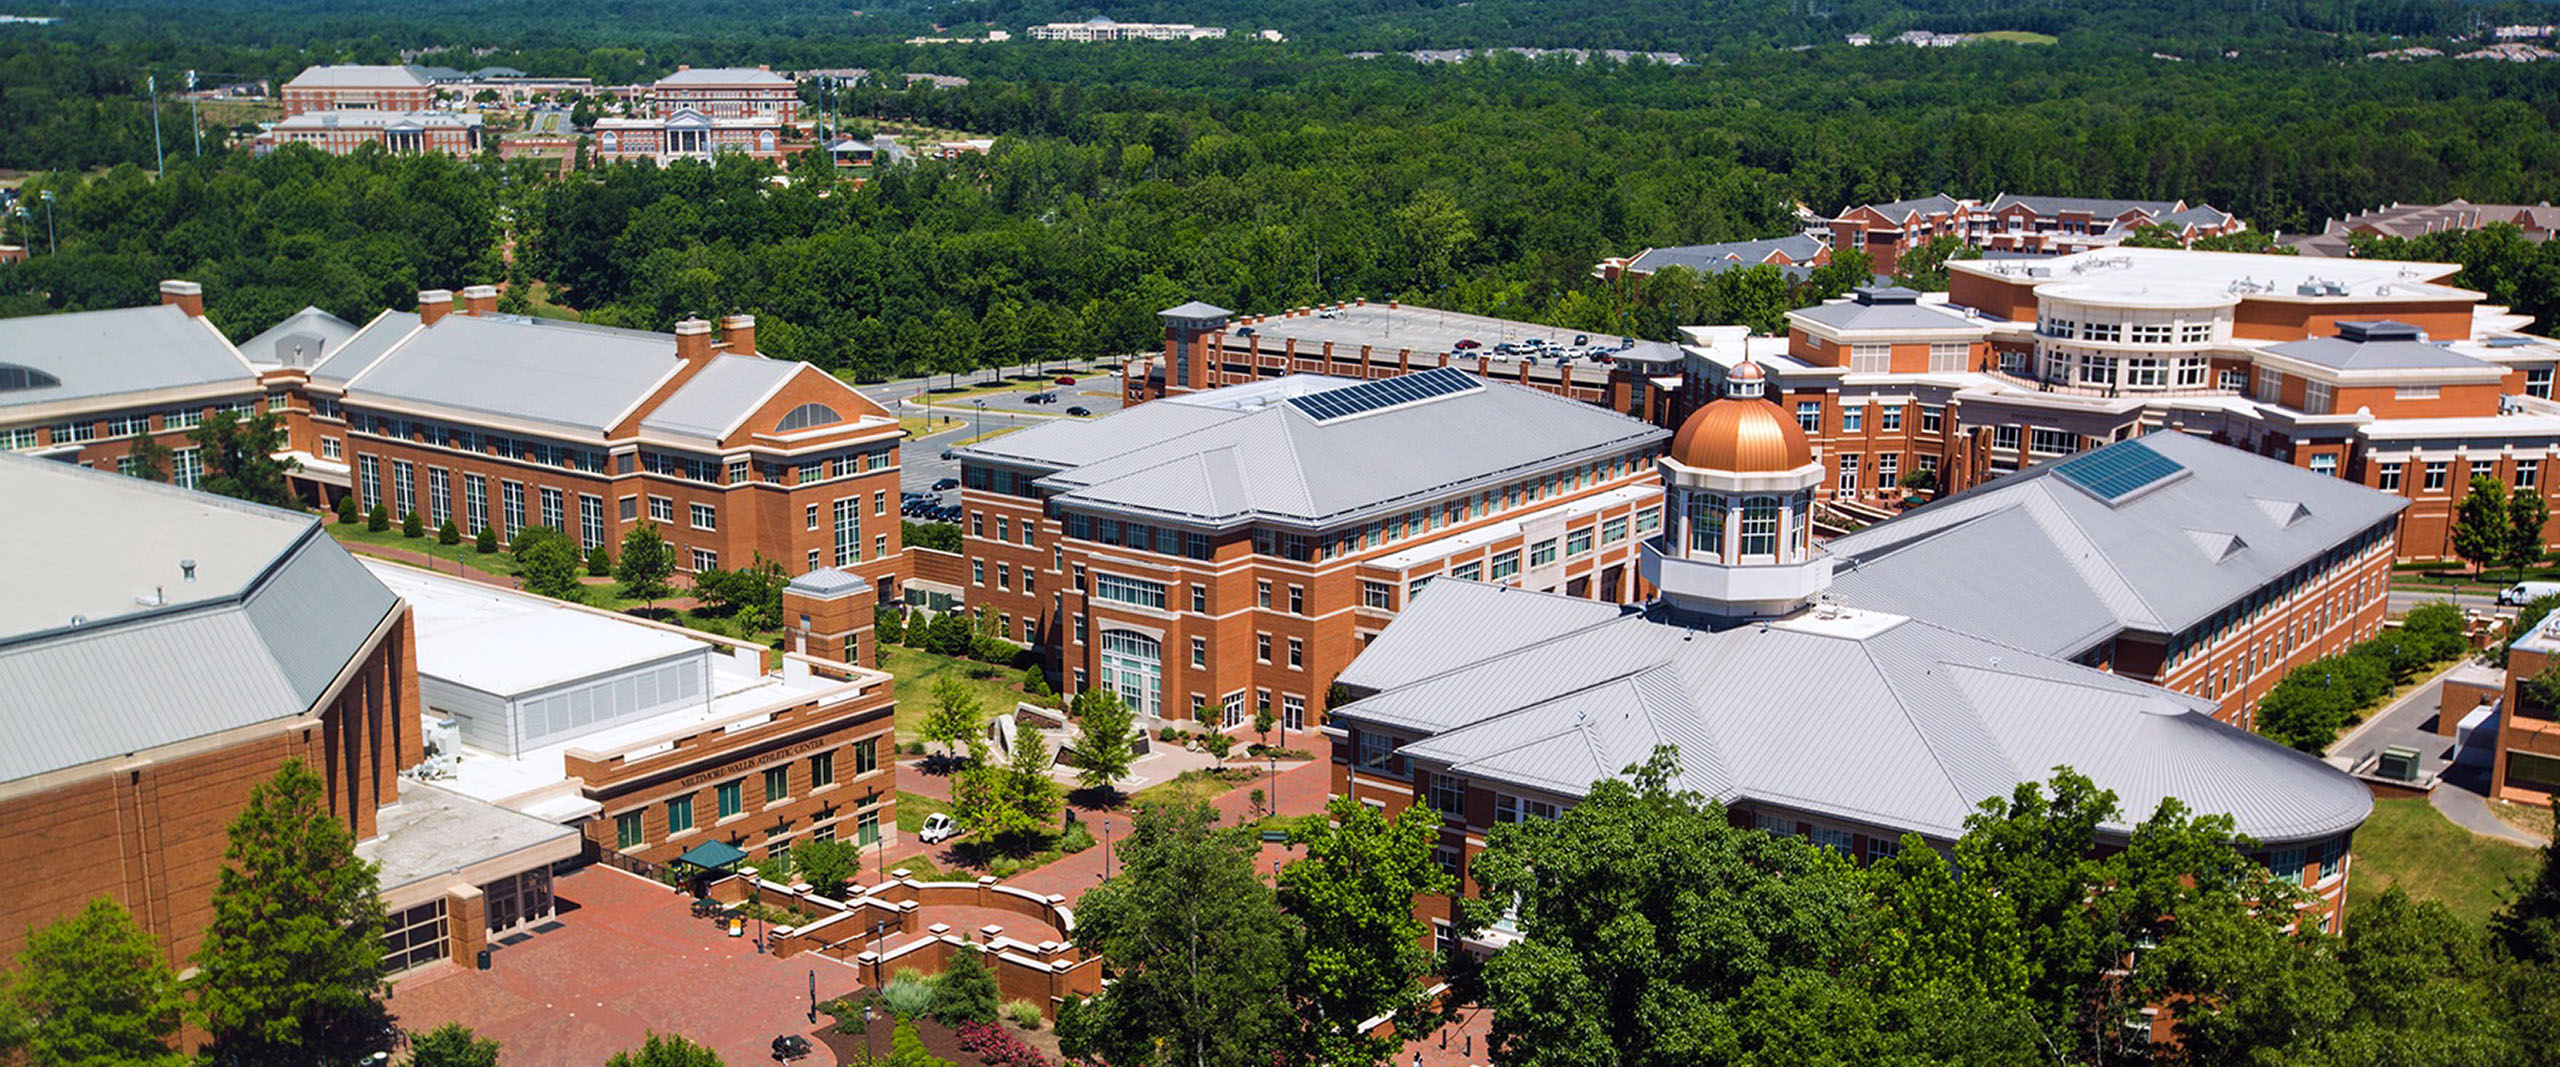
(1362, 956)
(449, 534)
(1200, 945)
(666, 1050)
(2527, 513)
(1106, 732)
(486, 542)
(828, 866)
(549, 567)
(291, 966)
(239, 458)
(411, 526)
(956, 713)
(150, 459)
(452, 1045)
(347, 513)
(646, 563)
(91, 990)
(1925, 267)
(966, 991)
(889, 623)
(1263, 721)
(1009, 804)
(2483, 531)
(1217, 745)
(2528, 927)
(599, 562)
(378, 520)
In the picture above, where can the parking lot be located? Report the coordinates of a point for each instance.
(973, 414)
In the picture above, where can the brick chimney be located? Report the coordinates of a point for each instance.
(739, 333)
(185, 296)
(434, 304)
(480, 300)
(693, 341)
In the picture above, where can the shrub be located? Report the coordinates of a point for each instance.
(487, 542)
(1023, 1013)
(412, 526)
(966, 992)
(1076, 838)
(1217, 744)
(908, 994)
(378, 520)
(1169, 735)
(996, 1046)
(599, 563)
(912, 748)
(449, 533)
(994, 650)
(1034, 682)
(889, 624)
(347, 510)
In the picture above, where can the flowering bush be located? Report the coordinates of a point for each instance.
(997, 1047)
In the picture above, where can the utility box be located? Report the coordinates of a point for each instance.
(2399, 763)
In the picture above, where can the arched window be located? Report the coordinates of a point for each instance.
(612, 141)
(1706, 525)
(764, 140)
(1759, 530)
(14, 377)
(808, 415)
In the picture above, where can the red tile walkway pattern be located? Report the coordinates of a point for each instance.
(629, 959)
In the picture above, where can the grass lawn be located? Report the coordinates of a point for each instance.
(2408, 844)
(912, 809)
(1201, 786)
(542, 297)
(2018, 37)
(921, 427)
(918, 671)
(499, 562)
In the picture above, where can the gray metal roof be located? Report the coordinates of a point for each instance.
(1902, 210)
(826, 582)
(1867, 717)
(712, 403)
(124, 350)
(1195, 310)
(1718, 258)
(2158, 561)
(358, 353)
(2201, 215)
(724, 76)
(276, 612)
(2347, 354)
(301, 340)
(2096, 206)
(359, 76)
(1240, 454)
(1852, 313)
(540, 370)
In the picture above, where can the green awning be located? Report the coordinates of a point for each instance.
(713, 856)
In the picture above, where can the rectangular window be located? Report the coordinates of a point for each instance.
(705, 517)
(2537, 382)
(475, 502)
(1948, 357)
(1377, 595)
(738, 472)
(977, 572)
(1199, 594)
(1506, 566)
(662, 509)
(1262, 647)
(1262, 593)
(2389, 478)
(2004, 438)
(330, 448)
(1542, 553)
(590, 521)
(1449, 796)
(2317, 398)
(369, 474)
(731, 797)
(2325, 464)
(2052, 442)
(822, 769)
(1377, 752)
(552, 511)
(1127, 590)
(439, 495)
(879, 503)
(2435, 477)
(1888, 470)
(679, 815)
(626, 830)
(1853, 420)
(404, 488)
(1297, 600)
(866, 756)
(1932, 418)
(1889, 418)
(1809, 415)
(777, 783)
(705, 559)
(511, 505)
(2528, 473)
(2236, 381)
(1200, 652)
(1004, 576)
(1613, 531)
(1297, 653)
(1648, 521)
(1870, 359)
(1850, 462)
(848, 531)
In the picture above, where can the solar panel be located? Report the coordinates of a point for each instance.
(1385, 393)
(2112, 474)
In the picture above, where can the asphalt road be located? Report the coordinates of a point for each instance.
(2401, 600)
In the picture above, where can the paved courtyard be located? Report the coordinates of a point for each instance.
(627, 959)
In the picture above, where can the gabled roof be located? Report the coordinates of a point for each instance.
(359, 76)
(1246, 453)
(567, 374)
(303, 339)
(2362, 346)
(714, 402)
(2095, 206)
(724, 76)
(122, 350)
(2098, 568)
(1932, 721)
(1902, 210)
(370, 118)
(275, 613)
(1718, 258)
(359, 352)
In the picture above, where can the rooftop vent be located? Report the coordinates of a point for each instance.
(2379, 330)
(187, 567)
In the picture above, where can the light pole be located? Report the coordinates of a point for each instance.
(151, 82)
(192, 121)
(1106, 846)
(980, 428)
(51, 246)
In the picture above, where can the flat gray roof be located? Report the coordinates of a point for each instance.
(1424, 330)
(123, 350)
(435, 831)
(1867, 717)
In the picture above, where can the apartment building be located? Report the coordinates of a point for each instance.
(1493, 705)
(1792, 255)
(1104, 28)
(2418, 220)
(357, 87)
(61, 399)
(2017, 225)
(173, 651)
(693, 114)
(504, 421)
(1228, 550)
(339, 133)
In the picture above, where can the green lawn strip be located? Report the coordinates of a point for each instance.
(914, 807)
(918, 671)
(1197, 785)
(2407, 843)
(498, 563)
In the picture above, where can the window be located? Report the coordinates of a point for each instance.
(679, 815)
(777, 783)
(1199, 594)
(879, 502)
(2435, 477)
(1932, 418)
(2325, 464)
(848, 513)
(2537, 382)
(1809, 415)
(475, 503)
(2528, 473)
(1889, 418)
(1262, 647)
(1947, 356)
(552, 511)
(1577, 542)
(1508, 808)
(705, 559)
(1297, 653)
(1853, 420)
(1542, 553)
(2417, 392)
(2236, 381)
(404, 488)
(2317, 397)
(1004, 576)
(1467, 572)
(705, 517)
(415, 937)
(1200, 652)
(2004, 438)
(1506, 565)
(978, 525)
(866, 756)
(822, 769)
(1648, 521)
(1297, 600)
(590, 521)
(511, 497)
(731, 798)
(1773, 824)
(1449, 796)
(186, 467)
(369, 474)
(1870, 359)
(1377, 595)
(1128, 590)
(1888, 470)
(2052, 442)
(626, 830)
(1850, 462)
(2390, 478)
(977, 572)
(1262, 593)
(1377, 752)
(1759, 527)
(1839, 841)
(329, 448)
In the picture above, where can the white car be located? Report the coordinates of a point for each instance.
(938, 827)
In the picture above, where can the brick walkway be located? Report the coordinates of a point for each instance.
(628, 959)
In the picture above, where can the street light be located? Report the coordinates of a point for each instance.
(981, 427)
(50, 245)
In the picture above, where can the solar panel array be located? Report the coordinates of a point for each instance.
(2112, 474)
(1385, 393)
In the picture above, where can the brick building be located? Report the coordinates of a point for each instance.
(61, 397)
(693, 114)
(357, 87)
(2017, 225)
(172, 652)
(2335, 238)
(338, 133)
(1791, 254)
(1493, 705)
(1228, 550)
(504, 421)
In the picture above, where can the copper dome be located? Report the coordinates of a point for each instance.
(1741, 436)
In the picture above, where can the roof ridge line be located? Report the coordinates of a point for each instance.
(1902, 704)
(2083, 554)
(1508, 653)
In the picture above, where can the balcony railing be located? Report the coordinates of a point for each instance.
(2108, 392)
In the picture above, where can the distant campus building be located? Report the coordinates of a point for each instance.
(1103, 28)
(2016, 224)
(693, 114)
(338, 109)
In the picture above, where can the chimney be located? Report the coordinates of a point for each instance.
(693, 341)
(186, 296)
(480, 300)
(434, 304)
(739, 333)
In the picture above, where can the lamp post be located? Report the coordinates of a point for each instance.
(50, 245)
(1106, 846)
(979, 429)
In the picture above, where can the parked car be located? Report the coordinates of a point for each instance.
(1064, 380)
(937, 828)
(946, 483)
(948, 453)
(1079, 412)
(1470, 342)
(2528, 592)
